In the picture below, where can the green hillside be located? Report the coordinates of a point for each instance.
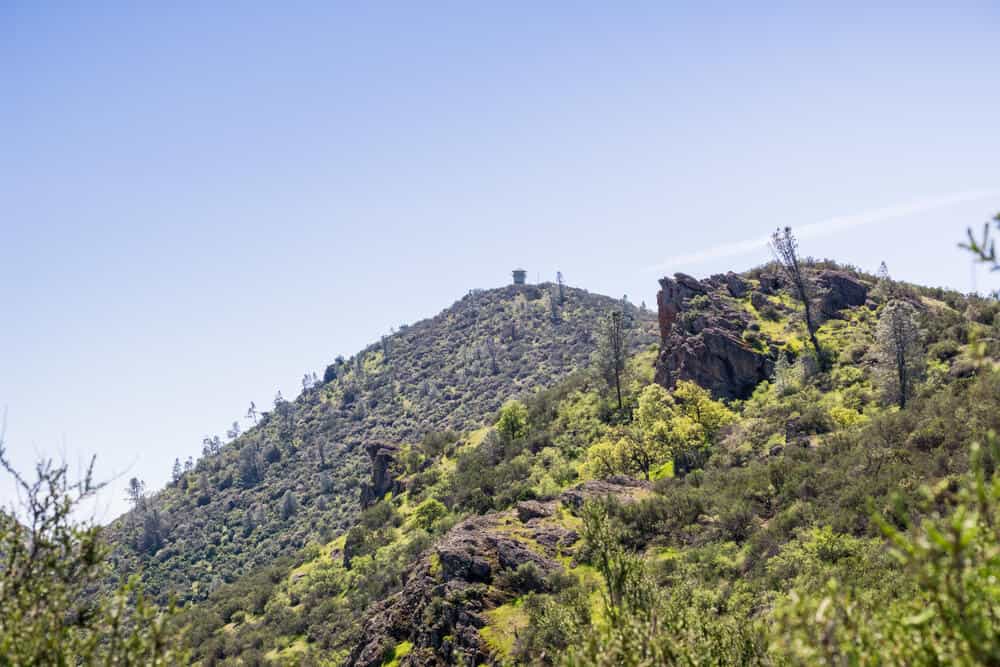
(680, 528)
(791, 466)
(295, 477)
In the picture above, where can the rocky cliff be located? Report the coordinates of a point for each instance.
(711, 330)
(481, 564)
(701, 336)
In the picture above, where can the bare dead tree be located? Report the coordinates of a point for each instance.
(786, 251)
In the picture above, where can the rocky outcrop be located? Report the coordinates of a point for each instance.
(383, 476)
(672, 296)
(733, 282)
(471, 570)
(840, 290)
(624, 489)
(440, 608)
(716, 360)
(532, 509)
(702, 325)
(705, 344)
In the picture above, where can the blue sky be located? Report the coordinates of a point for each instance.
(198, 204)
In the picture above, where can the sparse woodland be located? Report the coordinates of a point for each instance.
(528, 478)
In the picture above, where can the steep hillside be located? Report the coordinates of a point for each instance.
(297, 474)
(695, 521)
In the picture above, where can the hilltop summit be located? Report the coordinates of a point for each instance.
(300, 471)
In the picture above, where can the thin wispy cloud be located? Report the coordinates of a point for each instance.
(828, 227)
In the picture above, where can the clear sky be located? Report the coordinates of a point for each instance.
(201, 202)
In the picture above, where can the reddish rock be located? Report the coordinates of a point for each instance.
(706, 346)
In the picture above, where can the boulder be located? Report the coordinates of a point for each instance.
(736, 286)
(840, 290)
(532, 509)
(759, 300)
(770, 283)
(623, 489)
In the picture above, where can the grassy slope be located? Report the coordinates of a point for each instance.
(742, 530)
(217, 525)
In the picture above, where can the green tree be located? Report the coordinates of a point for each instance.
(898, 353)
(612, 353)
(428, 512)
(950, 615)
(696, 403)
(984, 248)
(513, 421)
(625, 587)
(250, 465)
(51, 565)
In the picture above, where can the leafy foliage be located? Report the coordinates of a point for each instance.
(49, 564)
(722, 553)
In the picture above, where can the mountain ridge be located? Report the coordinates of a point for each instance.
(459, 540)
(447, 371)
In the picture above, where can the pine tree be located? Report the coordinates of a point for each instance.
(784, 373)
(612, 350)
(883, 286)
(177, 471)
(898, 353)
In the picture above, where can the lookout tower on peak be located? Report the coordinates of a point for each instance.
(519, 276)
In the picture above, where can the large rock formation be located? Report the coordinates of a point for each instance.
(701, 339)
(702, 325)
(440, 608)
(840, 290)
(383, 479)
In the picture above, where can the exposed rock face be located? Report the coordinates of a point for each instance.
(672, 296)
(532, 509)
(716, 360)
(440, 607)
(736, 285)
(840, 290)
(383, 458)
(705, 345)
(770, 283)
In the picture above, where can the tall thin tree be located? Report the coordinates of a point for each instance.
(785, 248)
(612, 352)
(898, 351)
